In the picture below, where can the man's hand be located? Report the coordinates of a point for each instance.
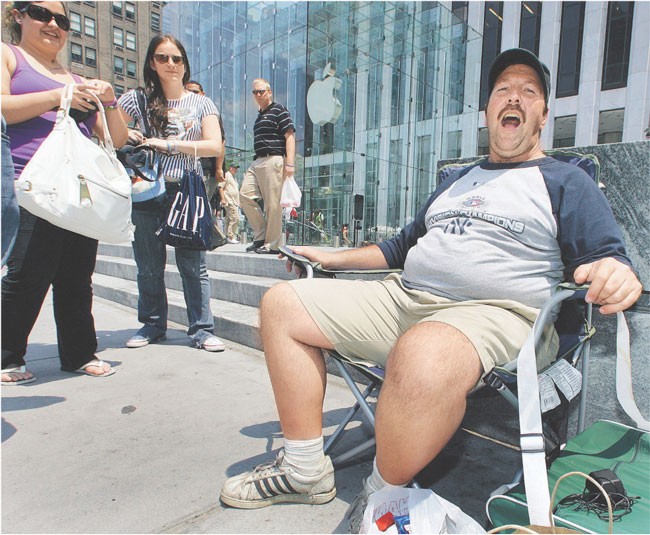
(613, 285)
(313, 254)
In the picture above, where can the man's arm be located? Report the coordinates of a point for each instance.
(613, 284)
(290, 147)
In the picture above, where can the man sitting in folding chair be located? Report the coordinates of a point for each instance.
(485, 252)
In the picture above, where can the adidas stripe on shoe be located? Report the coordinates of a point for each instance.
(277, 482)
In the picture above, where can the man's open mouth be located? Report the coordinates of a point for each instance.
(511, 119)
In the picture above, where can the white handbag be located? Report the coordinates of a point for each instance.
(77, 184)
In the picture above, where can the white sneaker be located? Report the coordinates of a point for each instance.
(277, 482)
(233, 241)
(212, 344)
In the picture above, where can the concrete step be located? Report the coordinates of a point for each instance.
(225, 286)
(229, 258)
(233, 321)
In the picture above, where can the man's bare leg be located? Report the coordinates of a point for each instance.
(296, 365)
(422, 402)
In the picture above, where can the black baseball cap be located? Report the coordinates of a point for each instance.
(519, 56)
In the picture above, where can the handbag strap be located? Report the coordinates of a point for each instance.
(66, 101)
(142, 106)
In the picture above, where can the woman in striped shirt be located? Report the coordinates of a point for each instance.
(185, 126)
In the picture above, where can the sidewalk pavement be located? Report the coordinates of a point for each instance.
(147, 449)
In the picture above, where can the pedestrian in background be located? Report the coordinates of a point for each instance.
(231, 203)
(186, 126)
(45, 255)
(275, 149)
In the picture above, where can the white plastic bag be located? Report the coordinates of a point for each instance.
(291, 195)
(428, 512)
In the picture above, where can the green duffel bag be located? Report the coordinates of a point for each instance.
(604, 445)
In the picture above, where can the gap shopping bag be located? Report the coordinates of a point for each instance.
(76, 184)
(414, 511)
(188, 224)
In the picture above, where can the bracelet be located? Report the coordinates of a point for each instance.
(288, 165)
(112, 105)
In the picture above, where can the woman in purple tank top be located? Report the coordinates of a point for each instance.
(45, 255)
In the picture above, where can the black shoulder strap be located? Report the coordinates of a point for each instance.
(142, 104)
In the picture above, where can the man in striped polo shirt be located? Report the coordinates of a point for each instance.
(275, 149)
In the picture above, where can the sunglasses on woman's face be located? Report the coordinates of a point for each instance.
(42, 14)
(164, 58)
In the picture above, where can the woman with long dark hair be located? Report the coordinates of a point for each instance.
(185, 126)
(45, 255)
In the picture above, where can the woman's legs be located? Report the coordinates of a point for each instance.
(196, 290)
(31, 269)
(150, 257)
(73, 300)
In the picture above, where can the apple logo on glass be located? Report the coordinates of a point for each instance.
(322, 104)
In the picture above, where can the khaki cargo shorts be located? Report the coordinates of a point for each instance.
(364, 319)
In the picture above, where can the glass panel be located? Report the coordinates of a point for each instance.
(617, 44)
(531, 18)
(492, 25)
(89, 26)
(75, 22)
(393, 71)
(568, 75)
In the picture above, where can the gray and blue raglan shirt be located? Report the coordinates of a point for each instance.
(506, 231)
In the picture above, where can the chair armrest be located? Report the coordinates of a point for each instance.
(317, 269)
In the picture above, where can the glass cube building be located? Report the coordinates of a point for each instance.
(367, 147)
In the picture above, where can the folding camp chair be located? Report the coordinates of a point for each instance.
(573, 325)
(574, 330)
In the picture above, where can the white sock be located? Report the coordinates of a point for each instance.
(375, 482)
(306, 456)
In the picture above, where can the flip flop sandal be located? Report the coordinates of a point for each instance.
(17, 369)
(98, 363)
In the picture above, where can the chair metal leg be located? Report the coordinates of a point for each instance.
(334, 437)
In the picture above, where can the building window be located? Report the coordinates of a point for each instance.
(564, 132)
(76, 53)
(131, 68)
(130, 10)
(617, 44)
(492, 24)
(155, 22)
(483, 142)
(531, 19)
(91, 57)
(89, 26)
(118, 65)
(130, 41)
(568, 70)
(119, 90)
(610, 126)
(75, 22)
(454, 143)
(118, 36)
(117, 8)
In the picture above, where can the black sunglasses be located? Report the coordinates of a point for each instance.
(259, 91)
(42, 14)
(164, 58)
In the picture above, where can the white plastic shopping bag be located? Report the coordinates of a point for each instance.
(426, 511)
(291, 195)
